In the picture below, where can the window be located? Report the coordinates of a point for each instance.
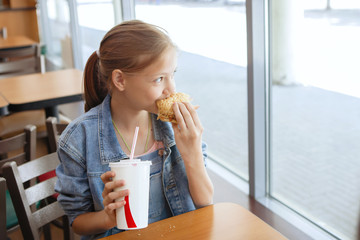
(72, 30)
(55, 32)
(95, 17)
(212, 64)
(315, 137)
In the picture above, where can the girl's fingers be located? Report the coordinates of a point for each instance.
(178, 116)
(186, 116)
(193, 113)
(188, 106)
(110, 186)
(188, 113)
(107, 176)
(185, 112)
(112, 196)
(118, 194)
(115, 205)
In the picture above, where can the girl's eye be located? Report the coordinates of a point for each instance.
(173, 73)
(158, 80)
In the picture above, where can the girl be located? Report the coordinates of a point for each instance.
(133, 68)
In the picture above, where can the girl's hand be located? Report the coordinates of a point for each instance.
(109, 196)
(188, 131)
(188, 134)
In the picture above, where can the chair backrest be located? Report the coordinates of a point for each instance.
(3, 230)
(54, 130)
(20, 148)
(20, 60)
(31, 222)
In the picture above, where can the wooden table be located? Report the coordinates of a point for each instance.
(42, 90)
(220, 221)
(16, 41)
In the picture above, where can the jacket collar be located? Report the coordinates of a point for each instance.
(163, 131)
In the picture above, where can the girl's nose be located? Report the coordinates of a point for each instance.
(170, 88)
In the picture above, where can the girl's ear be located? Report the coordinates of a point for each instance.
(117, 77)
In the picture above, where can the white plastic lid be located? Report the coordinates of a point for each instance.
(125, 163)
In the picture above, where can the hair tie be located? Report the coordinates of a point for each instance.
(98, 53)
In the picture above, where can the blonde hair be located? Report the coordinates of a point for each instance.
(130, 46)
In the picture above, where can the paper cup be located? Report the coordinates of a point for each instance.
(136, 173)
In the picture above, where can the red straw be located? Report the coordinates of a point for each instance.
(134, 143)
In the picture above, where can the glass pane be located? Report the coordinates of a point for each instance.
(315, 164)
(96, 17)
(211, 36)
(56, 32)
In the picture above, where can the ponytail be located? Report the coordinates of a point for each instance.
(95, 89)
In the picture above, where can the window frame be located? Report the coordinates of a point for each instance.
(258, 95)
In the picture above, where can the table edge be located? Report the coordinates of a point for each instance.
(18, 107)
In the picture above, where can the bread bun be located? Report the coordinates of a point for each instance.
(166, 112)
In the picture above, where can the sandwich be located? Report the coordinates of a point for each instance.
(165, 111)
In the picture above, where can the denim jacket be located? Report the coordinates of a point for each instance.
(85, 149)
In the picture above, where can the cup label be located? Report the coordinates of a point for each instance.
(129, 218)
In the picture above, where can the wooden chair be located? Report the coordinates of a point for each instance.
(20, 148)
(14, 123)
(20, 60)
(3, 229)
(23, 198)
(54, 130)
